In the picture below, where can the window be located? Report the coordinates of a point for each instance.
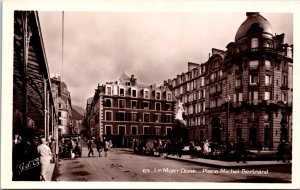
(157, 95)
(120, 116)
(267, 64)
(157, 130)
(134, 116)
(122, 103)
(267, 95)
(254, 64)
(169, 96)
(122, 130)
(134, 130)
(283, 97)
(146, 94)
(108, 90)
(238, 83)
(268, 80)
(157, 117)
(253, 80)
(133, 93)
(168, 118)
(122, 92)
(284, 81)
(253, 116)
(108, 129)
(59, 114)
(134, 104)
(202, 81)
(157, 106)
(146, 130)
(60, 122)
(146, 117)
(108, 116)
(254, 43)
(168, 107)
(108, 102)
(168, 130)
(145, 105)
(253, 95)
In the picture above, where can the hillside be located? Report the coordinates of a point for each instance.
(77, 112)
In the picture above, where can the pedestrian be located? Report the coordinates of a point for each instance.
(280, 150)
(106, 147)
(287, 153)
(205, 147)
(99, 146)
(45, 157)
(90, 148)
(192, 149)
(241, 151)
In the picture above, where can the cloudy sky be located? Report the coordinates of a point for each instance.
(154, 46)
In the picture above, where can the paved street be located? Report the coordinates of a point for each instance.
(126, 166)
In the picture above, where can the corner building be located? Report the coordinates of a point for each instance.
(243, 92)
(125, 109)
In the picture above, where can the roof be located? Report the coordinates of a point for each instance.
(254, 19)
(37, 71)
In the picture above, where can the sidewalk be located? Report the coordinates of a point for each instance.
(50, 171)
(224, 164)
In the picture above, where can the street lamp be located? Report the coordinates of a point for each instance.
(227, 100)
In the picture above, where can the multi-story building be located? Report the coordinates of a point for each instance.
(126, 109)
(243, 92)
(63, 105)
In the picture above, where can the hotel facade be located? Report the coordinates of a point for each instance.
(125, 109)
(244, 91)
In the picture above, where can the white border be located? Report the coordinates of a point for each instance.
(132, 5)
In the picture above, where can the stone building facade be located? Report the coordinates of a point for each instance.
(244, 91)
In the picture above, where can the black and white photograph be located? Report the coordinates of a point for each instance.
(117, 94)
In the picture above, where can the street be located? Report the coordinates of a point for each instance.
(125, 166)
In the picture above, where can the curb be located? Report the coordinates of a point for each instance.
(229, 164)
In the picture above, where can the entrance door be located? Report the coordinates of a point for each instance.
(216, 134)
(216, 129)
(252, 137)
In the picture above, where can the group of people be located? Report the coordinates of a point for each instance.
(31, 157)
(100, 146)
(207, 148)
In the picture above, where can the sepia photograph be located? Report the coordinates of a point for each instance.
(147, 92)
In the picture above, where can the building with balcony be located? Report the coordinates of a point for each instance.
(244, 91)
(126, 109)
(63, 105)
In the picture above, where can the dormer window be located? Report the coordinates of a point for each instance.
(169, 96)
(133, 93)
(157, 95)
(254, 43)
(108, 90)
(122, 92)
(146, 94)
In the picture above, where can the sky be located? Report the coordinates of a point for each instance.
(154, 46)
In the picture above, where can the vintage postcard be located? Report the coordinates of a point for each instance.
(173, 94)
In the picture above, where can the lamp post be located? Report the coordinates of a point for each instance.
(227, 100)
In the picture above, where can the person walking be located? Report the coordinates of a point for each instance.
(205, 147)
(106, 147)
(90, 148)
(45, 157)
(241, 151)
